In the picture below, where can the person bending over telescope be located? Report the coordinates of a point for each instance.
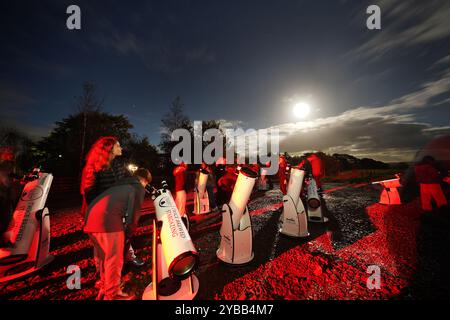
(179, 173)
(109, 217)
(227, 182)
(104, 168)
(317, 169)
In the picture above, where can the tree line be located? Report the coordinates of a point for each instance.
(64, 149)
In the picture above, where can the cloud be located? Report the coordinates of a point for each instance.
(405, 24)
(155, 51)
(15, 104)
(10, 97)
(13, 101)
(34, 132)
(388, 133)
(444, 60)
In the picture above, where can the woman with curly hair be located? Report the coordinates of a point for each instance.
(101, 171)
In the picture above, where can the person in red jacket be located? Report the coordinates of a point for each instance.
(282, 164)
(317, 169)
(227, 182)
(429, 179)
(179, 174)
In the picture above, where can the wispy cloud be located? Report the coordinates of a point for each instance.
(13, 97)
(33, 131)
(406, 24)
(14, 106)
(154, 50)
(388, 133)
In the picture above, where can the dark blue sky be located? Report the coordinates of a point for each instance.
(237, 61)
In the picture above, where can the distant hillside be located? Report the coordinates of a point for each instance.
(339, 162)
(348, 162)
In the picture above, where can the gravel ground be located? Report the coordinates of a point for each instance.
(410, 249)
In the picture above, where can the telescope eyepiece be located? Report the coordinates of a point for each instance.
(164, 185)
(150, 189)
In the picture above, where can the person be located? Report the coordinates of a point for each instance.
(6, 203)
(227, 182)
(317, 169)
(179, 173)
(219, 172)
(269, 177)
(10, 191)
(103, 169)
(109, 217)
(210, 186)
(282, 165)
(429, 179)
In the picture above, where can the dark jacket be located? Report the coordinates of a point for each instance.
(107, 212)
(105, 179)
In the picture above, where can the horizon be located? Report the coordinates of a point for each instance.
(312, 70)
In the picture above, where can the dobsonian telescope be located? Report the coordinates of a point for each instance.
(28, 233)
(389, 195)
(236, 245)
(294, 220)
(174, 255)
(201, 197)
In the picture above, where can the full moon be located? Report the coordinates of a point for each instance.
(301, 110)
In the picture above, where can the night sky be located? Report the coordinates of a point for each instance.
(377, 93)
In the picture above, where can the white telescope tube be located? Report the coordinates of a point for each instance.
(201, 185)
(241, 193)
(179, 251)
(24, 223)
(295, 184)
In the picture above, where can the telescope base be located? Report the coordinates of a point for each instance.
(234, 263)
(201, 204)
(188, 291)
(236, 246)
(38, 253)
(293, 219)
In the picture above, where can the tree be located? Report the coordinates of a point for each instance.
(87, 103)
(62, 148)
(174, 119)
(140, 152)
(21, 148)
